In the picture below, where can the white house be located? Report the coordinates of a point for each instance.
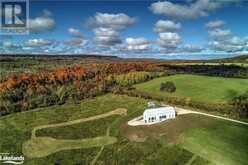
(159, 114)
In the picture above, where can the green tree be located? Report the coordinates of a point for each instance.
(168, 87)
(241, 104)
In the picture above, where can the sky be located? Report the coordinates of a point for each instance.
(190, 29)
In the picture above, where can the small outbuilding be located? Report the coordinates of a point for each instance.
(151, 104)
(159, 114)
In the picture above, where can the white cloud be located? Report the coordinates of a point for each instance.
(106, 32)
(224, 40)
(114, 21)
(106, 27)
(169, 39)
(137, 44)
(194, 10)
(237, 41)
(42, 23)
(219, 34)
(231, 44)
(38, 42)
(75, 32)
(221, 46)
(166, 25)
(106, 36)
(9, 45)
(189, 48)
(75, 41)
(215, 24)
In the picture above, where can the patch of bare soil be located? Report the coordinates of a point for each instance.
(170, 129)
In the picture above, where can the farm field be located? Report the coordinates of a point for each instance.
(198, 88)
(169, 142)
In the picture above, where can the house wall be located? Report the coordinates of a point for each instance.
(154, 117)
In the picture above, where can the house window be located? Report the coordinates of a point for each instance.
(152, 119)
(162, 117)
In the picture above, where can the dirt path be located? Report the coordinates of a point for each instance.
(181, 111)
(101, 149)
(118, 111)
(191, 160)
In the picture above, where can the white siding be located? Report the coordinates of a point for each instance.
(159, 114)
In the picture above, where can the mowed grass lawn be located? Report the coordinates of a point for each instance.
(198, 88)
(203, 138)
(223, 142)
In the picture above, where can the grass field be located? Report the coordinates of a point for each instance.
(221, 138)
(43, 146)
(192, 139)
(84, 129)
(17, 128)
(198, 88)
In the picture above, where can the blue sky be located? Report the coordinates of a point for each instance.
(192, 29)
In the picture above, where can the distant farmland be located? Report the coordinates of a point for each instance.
(198, 88)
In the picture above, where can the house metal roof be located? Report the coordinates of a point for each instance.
(159, 110)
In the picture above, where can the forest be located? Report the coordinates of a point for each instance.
(89, 77)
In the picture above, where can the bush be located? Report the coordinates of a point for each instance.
(168, 87)
(241, 104)
(76, 96)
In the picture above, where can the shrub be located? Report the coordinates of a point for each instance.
(241, 104)
(168, 87)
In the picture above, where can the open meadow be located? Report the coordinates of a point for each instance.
(174, 141)
(198, 88)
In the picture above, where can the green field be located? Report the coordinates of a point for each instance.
(198, 88)
(191, 139)
(84, 129)
(225, 143)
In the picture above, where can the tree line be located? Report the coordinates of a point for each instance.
(27, 91)
(210, 70)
